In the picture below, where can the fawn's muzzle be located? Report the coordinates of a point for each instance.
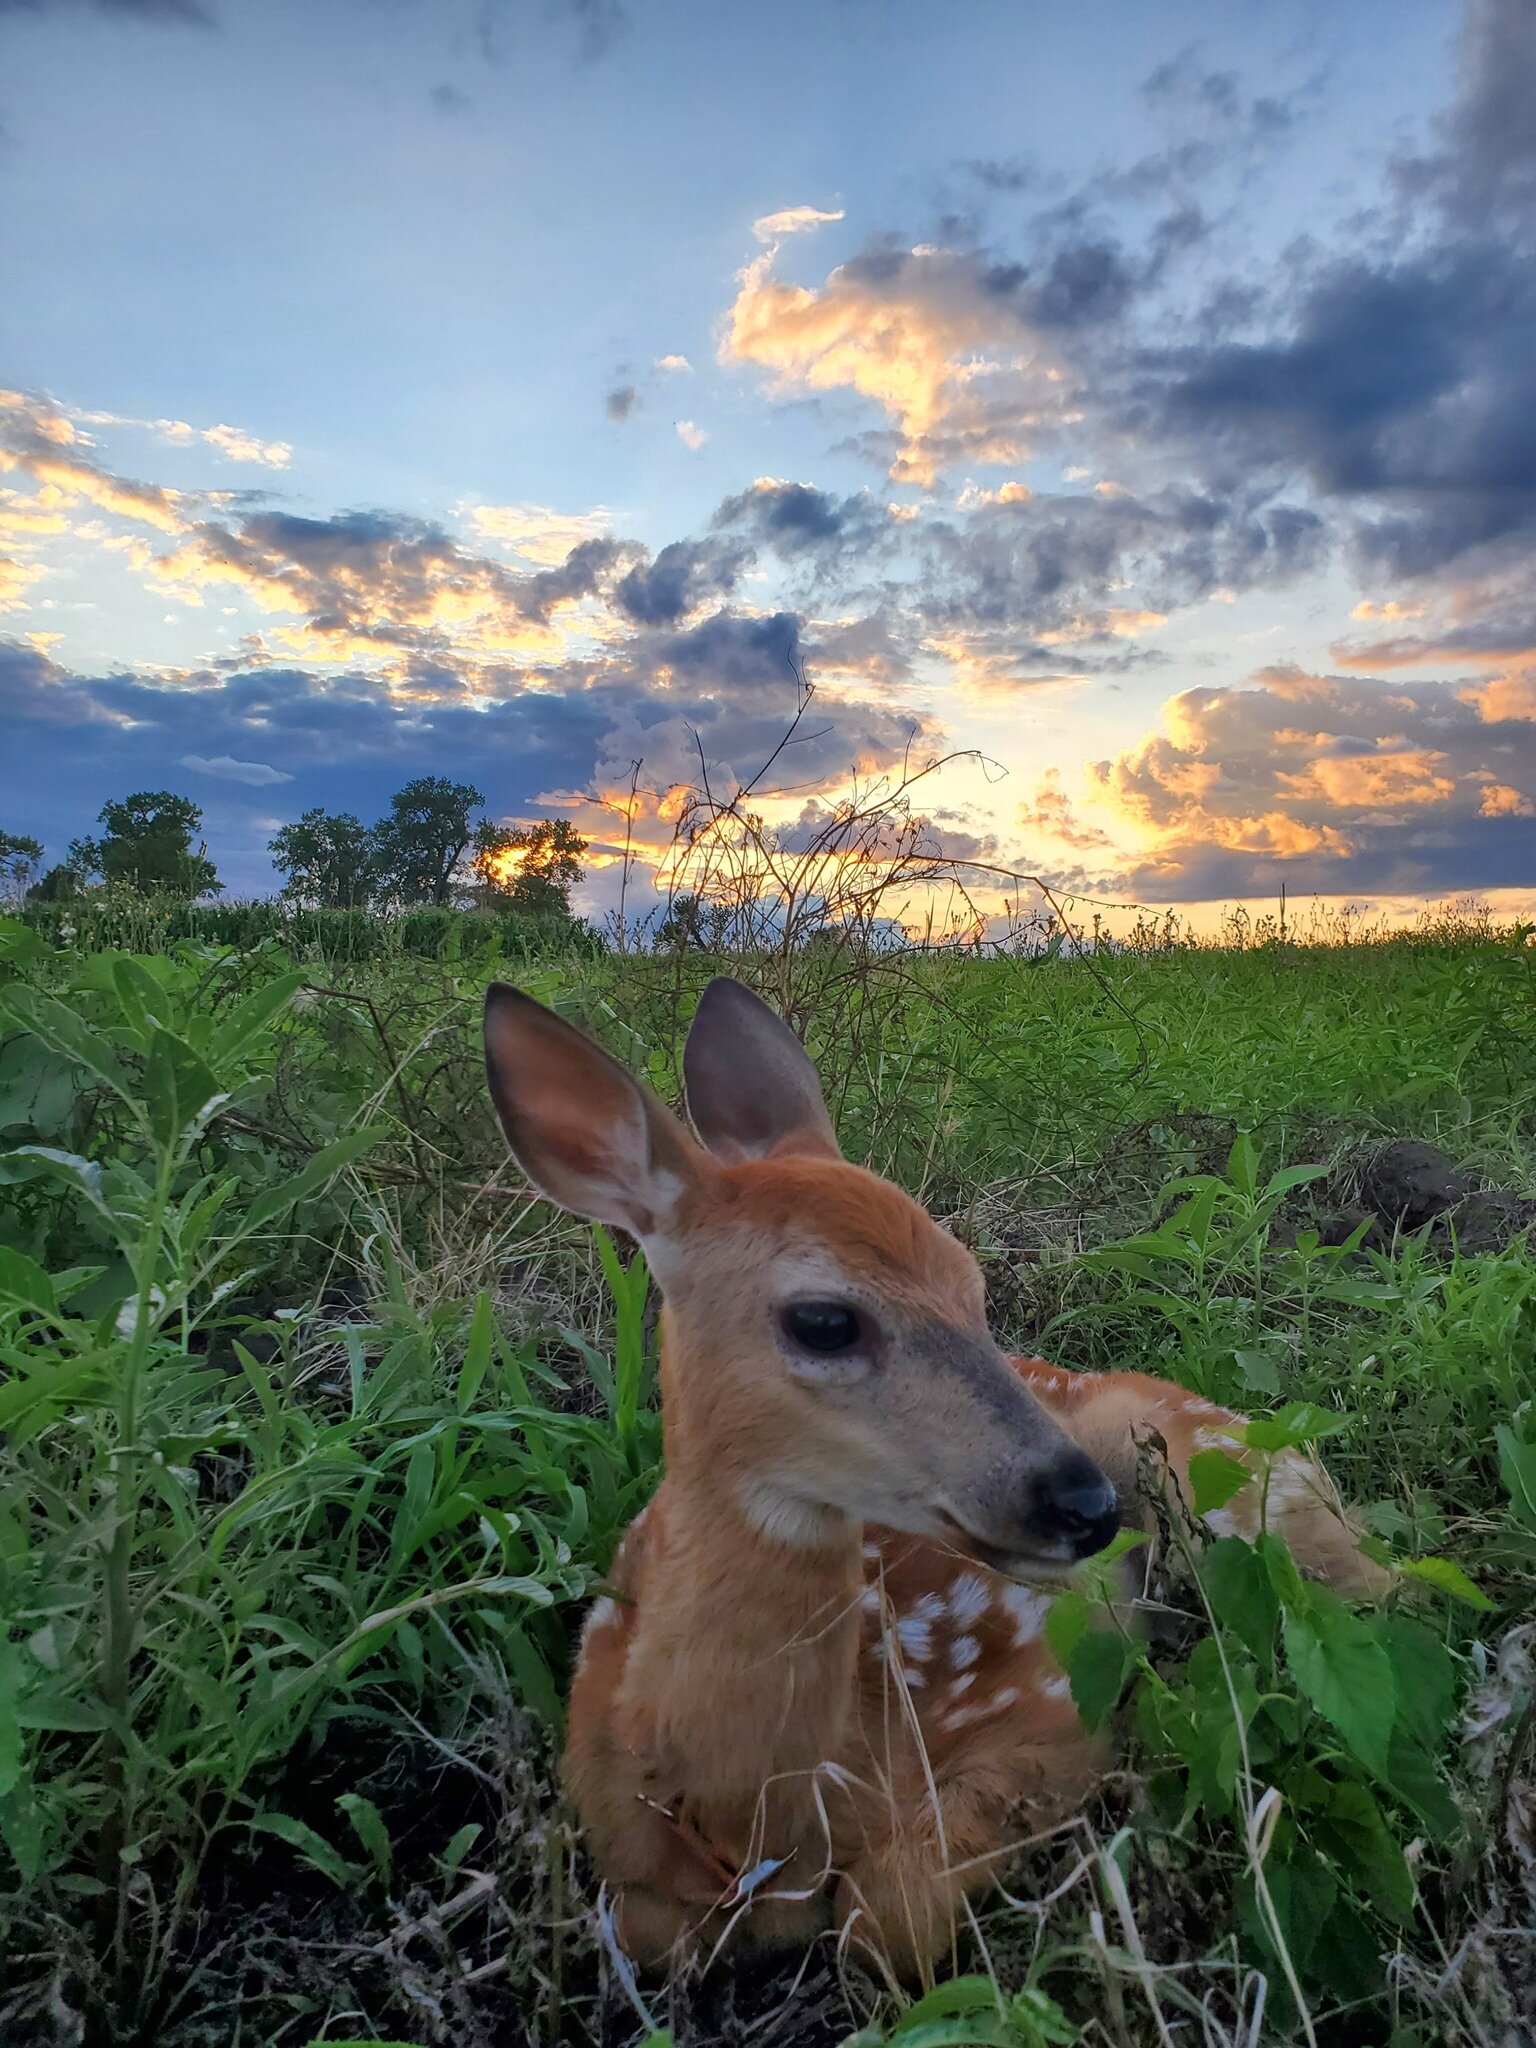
(1073, 1507)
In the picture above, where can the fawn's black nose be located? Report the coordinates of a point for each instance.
(1075, 1505)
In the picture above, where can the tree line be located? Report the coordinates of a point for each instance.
(428, 848)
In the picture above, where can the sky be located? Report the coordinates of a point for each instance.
(1134, 408)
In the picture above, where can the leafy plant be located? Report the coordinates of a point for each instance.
(1311, 1734)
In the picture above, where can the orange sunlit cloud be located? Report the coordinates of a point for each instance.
(946, 361)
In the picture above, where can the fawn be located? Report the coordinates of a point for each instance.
(819, 1692)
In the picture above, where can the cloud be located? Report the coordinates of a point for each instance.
(621, 401)
(690, 435)
(1215, 127)
(1330, 784)
(685, 575)
(233, 442)
(16, 579)
(368, 586)
(347, 742)
(1059, 568)
(940, 340)
(1503, 697)
(40, 441)
(726, 654)
(1398, 377)
(227, 769)
(242, 447)
(800, 520)
(793, 220)
(673, 363)
(188, 11)
(449, 99)
(537, 533)
(1051, 815)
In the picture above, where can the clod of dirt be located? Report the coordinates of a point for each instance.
(1408, 1184)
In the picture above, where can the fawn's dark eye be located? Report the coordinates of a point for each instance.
(825, 1327)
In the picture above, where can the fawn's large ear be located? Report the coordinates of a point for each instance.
(752, 1090)
(582, 1128)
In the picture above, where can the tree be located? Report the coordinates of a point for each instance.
(20, 859)
(61, 884)
(327, 859)
(531, 868)
(692, 923)
(419, 845)
(148, 845)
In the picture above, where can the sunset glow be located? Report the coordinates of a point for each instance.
(1137, 420)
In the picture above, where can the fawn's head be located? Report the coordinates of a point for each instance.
(828, 1353)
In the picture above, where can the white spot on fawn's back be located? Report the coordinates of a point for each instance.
(915, 1636)
(1028, 1611)
(969, 1598)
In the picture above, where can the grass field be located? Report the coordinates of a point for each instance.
(316, 1434)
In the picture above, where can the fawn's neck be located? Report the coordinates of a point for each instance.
(747, 1634)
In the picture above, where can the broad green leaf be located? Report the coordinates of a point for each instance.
(83, 1175)
(1290, 1588)
(1353, 1827)
(1070, 1615)
(1215, 1477)
(21, 1829)
(68, 1035)
(1121, 1544)
(24, 1284)
(1097, 1669)
(1242, 1594)
(253, 1015)
(477, 1353)
(1343, 1670)
(460, 1846)
(37, 1087)
(1298, 1422)
(1412, 1774)
(178, 1085)
(1259, 1371)
(1427, 1677)
(1243, 1164)
(1445, 1576)
(947, 2001)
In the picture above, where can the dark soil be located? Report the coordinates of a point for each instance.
(1408, 1185)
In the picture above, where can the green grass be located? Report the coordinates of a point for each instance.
(316, 1434)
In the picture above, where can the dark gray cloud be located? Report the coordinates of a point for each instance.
(343, 741)
(1400, 379)
(621, 401)
(726, 653)
(685, 575)
(805, 525)
(1053, 562)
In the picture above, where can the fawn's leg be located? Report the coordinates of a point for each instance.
(903, 1895)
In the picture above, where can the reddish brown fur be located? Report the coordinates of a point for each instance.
(782, 1716)
(746, 1698)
